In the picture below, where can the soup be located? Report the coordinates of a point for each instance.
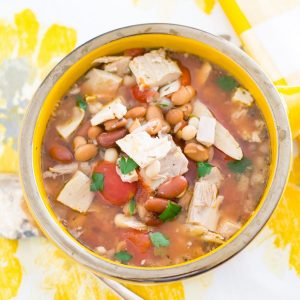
(155, 157)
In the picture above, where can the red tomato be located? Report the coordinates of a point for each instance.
(185, 76)
(134, 52)
(137, 241)
(141, 96)
(115, 191)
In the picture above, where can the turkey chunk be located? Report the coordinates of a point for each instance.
(206, 130)
(153, 69)
(242, 96)
(76, 193)
(204, 207)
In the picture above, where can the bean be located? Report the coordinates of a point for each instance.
(154, 112)
(83, 129)
(194, 121)
(174, 116)
(108, 139)
(78, 141)
(184, 95)
(61, 153)
(166, 128)
(188, 132)
(179, 126)
(153, 169)
(86, 152)
(115, 124)
(173, 187)
(94, 131)
(155, 128)
(135, 124)
(136, 112)
(156, 205)
(196, 152)
(111, 155)
(186, 109)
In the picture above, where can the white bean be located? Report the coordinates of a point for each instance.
(188, 132)
(153, 169)
(111, 155)
(194, 121)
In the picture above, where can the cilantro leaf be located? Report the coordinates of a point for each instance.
(159, 240)
(171, 211)
(97, 182)
(132, 205)
(227, 83)
(239, 166)
(127, 165)
(81, 103)
(123, 256)
(203, 168)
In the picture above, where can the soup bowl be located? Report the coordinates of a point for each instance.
(178, 38)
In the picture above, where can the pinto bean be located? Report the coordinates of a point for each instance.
(154, 112)
(61, 153)
(94, 131)
(115, 124)
(196, 152)
(172, 188)
(186, 109)
(86, 152)
(136, 112)
(78, 141)
(135, 124)
(108, 139)
(184, 95)
(157, 205)
(174, 116)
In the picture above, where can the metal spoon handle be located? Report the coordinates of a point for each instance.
(120, 290)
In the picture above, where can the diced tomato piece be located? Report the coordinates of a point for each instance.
(185, 76)
(141, 96)
(115, 191)
(137, 241)
(134, 52)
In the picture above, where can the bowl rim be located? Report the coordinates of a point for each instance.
(119, 271)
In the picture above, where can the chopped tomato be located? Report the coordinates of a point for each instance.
(115, 191)
(141, 96)
(134, 52)
(185, 76)
(137, 241)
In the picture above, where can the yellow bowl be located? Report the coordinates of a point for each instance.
(179, 38)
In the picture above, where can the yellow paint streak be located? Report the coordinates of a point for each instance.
(57, 41)
(206, 5)
(10, 269)
(27, 29)
(285, 223)
(172, 291)
(69, 280)
(8, 38)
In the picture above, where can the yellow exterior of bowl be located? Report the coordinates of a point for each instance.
(173, 42)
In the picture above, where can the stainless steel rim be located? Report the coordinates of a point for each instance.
(99, 266)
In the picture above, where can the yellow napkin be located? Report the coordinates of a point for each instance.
(269, 32)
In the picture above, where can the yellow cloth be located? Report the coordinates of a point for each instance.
(269, 32)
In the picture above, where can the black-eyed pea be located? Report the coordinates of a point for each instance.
(156, 127)
(194, 121)
(86, 152)
(183, 96)
(94, 131)
(174, 116)
(154, 112)
(78, 141)
(188, 132)
(111, 155)
(136, 112)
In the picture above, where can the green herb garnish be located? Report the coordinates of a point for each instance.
(97, 182)
(159, 240)
(81, 103)
(239, 166)
(132, 205)
(123, 256)
(171, 211)
(203, 168)
(227, 83)
(127, 165)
